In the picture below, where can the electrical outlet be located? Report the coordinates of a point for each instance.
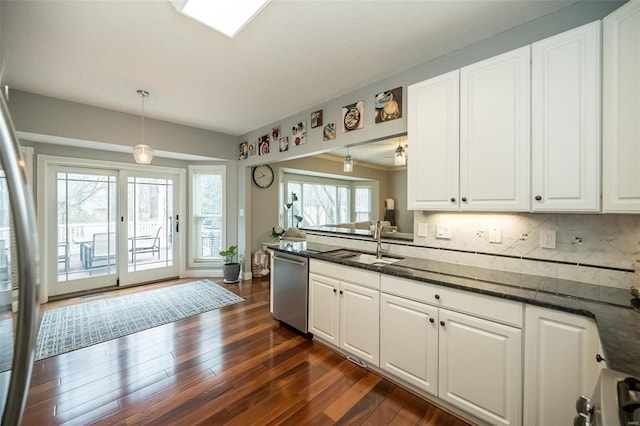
(547, 239)
(577, 241)
(443, 232)
(523, 236)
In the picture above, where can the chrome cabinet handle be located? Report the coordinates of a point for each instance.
(23, 211)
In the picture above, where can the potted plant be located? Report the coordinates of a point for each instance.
(231, 269)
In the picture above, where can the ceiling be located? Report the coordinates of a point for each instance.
(296, 54)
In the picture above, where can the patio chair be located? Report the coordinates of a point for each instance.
(101, 251)
(63, 253)
(145, 244)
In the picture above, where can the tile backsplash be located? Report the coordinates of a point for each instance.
(595, 249)
(599, 249)
(611, 240)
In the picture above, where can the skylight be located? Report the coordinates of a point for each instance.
(225, 16)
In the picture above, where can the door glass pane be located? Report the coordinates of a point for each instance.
(86, 234)
(150, 231)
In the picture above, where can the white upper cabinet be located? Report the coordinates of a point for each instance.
(495, 133)
(433, 124)
(565, 126)
(621, 110)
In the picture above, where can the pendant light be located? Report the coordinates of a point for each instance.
(143, 154)
(348, 163)
(400, 156)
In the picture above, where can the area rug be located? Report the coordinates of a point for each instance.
(78, 326)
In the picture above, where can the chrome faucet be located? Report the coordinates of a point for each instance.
(377, 234)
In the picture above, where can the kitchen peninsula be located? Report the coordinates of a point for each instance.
(506, 300)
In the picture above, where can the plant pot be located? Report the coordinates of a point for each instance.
(231, 272)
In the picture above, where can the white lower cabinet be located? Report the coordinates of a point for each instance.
(324, 315)
(344, 309)
(359, 322)
(480, 367)
(471, 362)
(560, 359)
(409, 341)
(462, 347)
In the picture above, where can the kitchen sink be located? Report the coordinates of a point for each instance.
(370, 259)
(366, 258)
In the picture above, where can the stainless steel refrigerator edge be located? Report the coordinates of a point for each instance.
(13, 391)
(291, 290)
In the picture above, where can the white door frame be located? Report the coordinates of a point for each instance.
(45, 165)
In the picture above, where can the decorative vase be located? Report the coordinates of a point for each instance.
(231, 272)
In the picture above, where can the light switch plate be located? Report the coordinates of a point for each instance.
(443, 232)
(422, 229)
(495, 235)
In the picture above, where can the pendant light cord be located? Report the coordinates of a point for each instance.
(143, 94)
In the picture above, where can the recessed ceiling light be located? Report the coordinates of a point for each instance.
(225, 16)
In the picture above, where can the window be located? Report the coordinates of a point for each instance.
(208, 222)
(325, 201)
(362, 205)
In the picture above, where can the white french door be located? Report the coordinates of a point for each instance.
(109, 227)
(83, 218)
(149, 225)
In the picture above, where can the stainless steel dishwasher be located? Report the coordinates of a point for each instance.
(291, 290)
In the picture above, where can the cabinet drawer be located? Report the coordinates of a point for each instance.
(479, 305)
(362, 277)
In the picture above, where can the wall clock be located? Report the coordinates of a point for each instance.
(262, 176)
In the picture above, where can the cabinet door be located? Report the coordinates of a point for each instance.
(480, 367)
(495, 133)
(409, 341)
(323, 308)
(433, 132)
(565, 124)
(621, 109)
(360, 322)
(560, 352)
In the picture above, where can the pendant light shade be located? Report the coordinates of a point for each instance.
(348, 164)
(142, 153)
(400, 156)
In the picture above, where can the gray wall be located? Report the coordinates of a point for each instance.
(570, 17)
(42, 115)
(398, 191)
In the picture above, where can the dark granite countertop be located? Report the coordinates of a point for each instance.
(618, 324)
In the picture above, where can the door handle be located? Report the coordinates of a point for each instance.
(284, 259)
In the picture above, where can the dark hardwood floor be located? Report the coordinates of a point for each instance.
(235, 365)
